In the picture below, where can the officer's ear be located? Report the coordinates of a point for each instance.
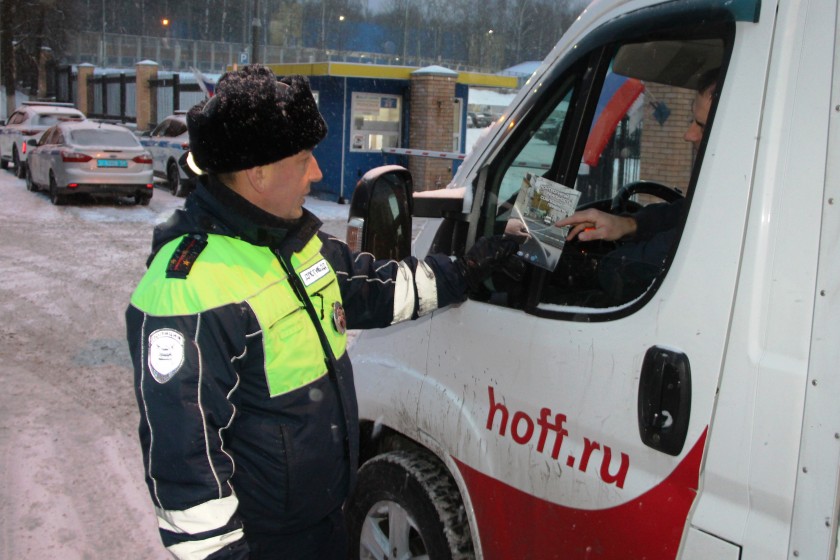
(255, 178)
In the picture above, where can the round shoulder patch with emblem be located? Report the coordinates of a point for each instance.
(166, 354)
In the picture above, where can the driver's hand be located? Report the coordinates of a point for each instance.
(592, 225)
(516, 229)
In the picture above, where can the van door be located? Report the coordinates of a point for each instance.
(576, 404)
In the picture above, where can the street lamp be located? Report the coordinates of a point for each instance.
(490, 47)
(256, 23)
(340, 37)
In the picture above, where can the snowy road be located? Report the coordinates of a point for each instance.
(71, 476)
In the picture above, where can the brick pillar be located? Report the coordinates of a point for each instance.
(44, 59)
(431, 116)
(84, 96)
(145, 94)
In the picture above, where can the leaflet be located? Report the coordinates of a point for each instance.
(539, 205)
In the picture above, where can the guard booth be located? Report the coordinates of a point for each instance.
(379, 114)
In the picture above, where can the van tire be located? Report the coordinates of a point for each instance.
(415, 491)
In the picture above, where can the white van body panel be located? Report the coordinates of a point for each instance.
(749, 475)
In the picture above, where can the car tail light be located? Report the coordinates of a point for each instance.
(72, 185)
(142, 159)
(355, 226)
(74, 157)
(185, 145)
(23, 147)
(150, 186)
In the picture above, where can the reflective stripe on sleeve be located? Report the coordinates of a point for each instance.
(403, 294)
(195, 550)
(198, 519)
(426, 288)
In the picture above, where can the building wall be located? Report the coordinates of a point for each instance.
(432, 115)
(667, 158)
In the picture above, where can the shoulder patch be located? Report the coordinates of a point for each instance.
(184, 256)
(166, 354)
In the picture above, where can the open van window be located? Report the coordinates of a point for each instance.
(636, 100)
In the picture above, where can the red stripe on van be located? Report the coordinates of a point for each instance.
(514, 524)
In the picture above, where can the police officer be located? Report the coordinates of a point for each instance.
(249, 425)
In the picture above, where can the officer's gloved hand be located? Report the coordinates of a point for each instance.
(486, 256)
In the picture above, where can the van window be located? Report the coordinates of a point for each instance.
(538, 153)
(615, 128)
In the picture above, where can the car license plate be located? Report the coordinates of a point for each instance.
(111, 163)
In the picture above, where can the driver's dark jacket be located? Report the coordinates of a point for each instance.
(626, 272)
(246, 395)
(654, 219)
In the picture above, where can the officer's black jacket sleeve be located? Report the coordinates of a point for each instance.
(378, 293)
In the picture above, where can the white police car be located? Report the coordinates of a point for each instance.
(30, 120)
(167, 142)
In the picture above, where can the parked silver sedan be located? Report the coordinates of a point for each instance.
(89, 157)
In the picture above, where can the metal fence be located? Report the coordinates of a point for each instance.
(114, 97)
(172, 94)
(114, 50)
(114, 94)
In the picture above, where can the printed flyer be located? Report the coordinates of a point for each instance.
(539, 205)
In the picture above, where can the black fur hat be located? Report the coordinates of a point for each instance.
(253, 119)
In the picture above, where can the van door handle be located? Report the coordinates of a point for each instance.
(664, 399)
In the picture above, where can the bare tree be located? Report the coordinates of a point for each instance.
(7, 58)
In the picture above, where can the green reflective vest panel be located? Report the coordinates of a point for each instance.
(230, 270)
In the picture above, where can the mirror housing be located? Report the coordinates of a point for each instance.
(379, 221)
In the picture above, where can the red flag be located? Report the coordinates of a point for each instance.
(207, 86)
(617, 97)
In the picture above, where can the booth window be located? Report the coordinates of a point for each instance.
(376, 122)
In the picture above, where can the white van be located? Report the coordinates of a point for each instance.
(582, 413)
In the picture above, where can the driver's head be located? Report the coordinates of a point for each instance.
(706, 88)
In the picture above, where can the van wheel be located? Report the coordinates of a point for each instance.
(173, 177)
(407, 506)
(55, 197)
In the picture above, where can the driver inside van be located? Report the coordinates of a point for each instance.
(650, 233)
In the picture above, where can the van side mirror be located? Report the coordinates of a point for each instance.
(379, 221)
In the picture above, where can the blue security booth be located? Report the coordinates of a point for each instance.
(370, 107)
